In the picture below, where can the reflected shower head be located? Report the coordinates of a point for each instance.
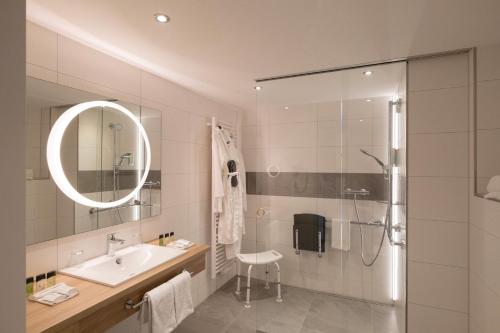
(379, 162)
(116, 126)
(126, 156)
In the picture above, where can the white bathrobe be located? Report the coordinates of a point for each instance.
(229, 202)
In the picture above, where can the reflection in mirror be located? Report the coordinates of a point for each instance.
(102, 155)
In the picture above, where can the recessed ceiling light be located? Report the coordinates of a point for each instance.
(258, 88)
(368, 100)
(161, 18)
(286, 107)
(367, 73)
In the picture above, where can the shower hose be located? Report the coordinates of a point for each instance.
(366, 262)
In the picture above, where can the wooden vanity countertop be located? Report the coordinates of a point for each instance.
(93, 296)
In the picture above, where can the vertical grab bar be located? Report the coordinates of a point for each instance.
(297, 250)
(319, 245)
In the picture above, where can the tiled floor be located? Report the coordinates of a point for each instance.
(302, 311)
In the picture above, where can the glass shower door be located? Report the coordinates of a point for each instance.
(316, 143)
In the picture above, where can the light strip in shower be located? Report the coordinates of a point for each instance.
(395, 145)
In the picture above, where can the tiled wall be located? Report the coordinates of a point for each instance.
(309, 139)
(185, 147)
(485, 214)
(438, 187)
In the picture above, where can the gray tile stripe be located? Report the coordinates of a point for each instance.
(90, 181)
(316, 185)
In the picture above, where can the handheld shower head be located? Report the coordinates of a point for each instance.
(126, 156)
(379, 162)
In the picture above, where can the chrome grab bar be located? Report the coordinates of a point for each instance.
(319, 244)
(129, 304)
(297, 250)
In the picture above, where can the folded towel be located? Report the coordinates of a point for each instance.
(162, 308)
(56, 294)
(493, 184)
(492, 195)
(181, 244)
(183, 299)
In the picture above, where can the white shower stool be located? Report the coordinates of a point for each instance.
(261, 258)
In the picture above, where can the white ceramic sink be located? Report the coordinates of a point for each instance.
(124, 265)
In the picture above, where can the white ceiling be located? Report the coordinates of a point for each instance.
(218, 47)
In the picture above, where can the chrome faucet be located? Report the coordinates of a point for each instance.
(111, 241)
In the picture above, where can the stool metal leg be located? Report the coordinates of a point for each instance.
(238, 280)
(247, 303)
(267, 277)
(278, 276)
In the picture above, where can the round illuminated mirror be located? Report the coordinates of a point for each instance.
(113, 154)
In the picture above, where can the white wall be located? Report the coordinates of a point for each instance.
(438, 187)
(484, 214)
(185, 146)
(12, 139)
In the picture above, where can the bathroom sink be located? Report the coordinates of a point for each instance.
(124, 265)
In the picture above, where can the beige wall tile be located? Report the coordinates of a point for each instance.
(292, 159)
(423, 319)
(488, 104)
(41, 73)
(79, 61)
(484, 257)
(488, 62)
(488, 153)
(438, 198)
(176, 126)
(442, 110)
(443, 154)
(438, 242)
(484, 214)
(438, 72)
(41, 47)
(438, 286)
(292, 135)
(484, 305)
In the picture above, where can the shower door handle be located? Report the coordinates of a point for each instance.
(261, 212)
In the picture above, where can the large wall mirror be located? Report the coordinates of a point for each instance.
(103, 157)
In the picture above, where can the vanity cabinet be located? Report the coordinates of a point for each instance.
(98, 307)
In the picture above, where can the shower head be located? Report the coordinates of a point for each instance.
(126, 156)
(379, 162)
(116, 126)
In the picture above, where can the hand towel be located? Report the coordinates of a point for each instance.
(492, 195)
(162, 308)
(56, 294)
(493, 184)
(183, 299)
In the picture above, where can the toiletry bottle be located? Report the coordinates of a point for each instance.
(172, 237)
(40, 282)
(161, 240)
(29, 286)
(51, 279)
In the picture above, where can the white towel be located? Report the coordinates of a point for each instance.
(493, 184)
(492, 195)
(183, 299)
(56, 294)
(161, 304)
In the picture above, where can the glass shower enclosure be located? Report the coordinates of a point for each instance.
(325, 155)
